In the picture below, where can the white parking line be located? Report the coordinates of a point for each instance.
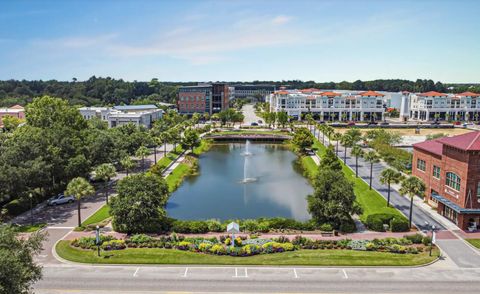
(295, 273)
(345, 273)
(237, 276)
(246, 274)
(185, 273)
(136, 271)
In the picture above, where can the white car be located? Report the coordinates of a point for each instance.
(60, 199)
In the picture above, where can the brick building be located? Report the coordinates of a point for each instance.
(450, 169)
(204, 98)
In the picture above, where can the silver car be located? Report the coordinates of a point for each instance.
(60, 199)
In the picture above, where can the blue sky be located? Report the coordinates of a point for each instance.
(240, 40)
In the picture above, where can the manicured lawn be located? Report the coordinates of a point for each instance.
(100, 215)
(30, 228)
(309, 166)
(175, 178)
(299, 257)
(370, 200)
(474, 242)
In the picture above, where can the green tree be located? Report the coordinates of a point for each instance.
(127, 163)
(330, 161)
(372, 158)
(79, 188)
(190, 139)
(18, 271)
(302, 139)
(412, 186)
(142, 152)
(347, 141)
(139, 206)
(196, 118)
(390, 176)
(10, 123)
(282, 118)
(336, 137)
(105, 172)
(357, 151)
(333, 199)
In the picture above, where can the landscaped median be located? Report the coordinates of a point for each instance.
(142, 249)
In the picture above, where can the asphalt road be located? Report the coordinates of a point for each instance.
(145, 279)
(250, 116)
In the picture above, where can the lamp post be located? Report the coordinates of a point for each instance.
(30, 196)
(97, 239)
(432, 239)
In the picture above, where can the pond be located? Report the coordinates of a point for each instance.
(239, 181)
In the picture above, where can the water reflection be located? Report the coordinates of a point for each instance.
(280, 189)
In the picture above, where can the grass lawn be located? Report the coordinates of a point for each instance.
(175, 178)
(30, 228)
(299, 257)
(370, 200)
(474, 242)
(309, 166)
(100, 215)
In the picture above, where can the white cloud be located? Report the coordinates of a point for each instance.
(281, 19)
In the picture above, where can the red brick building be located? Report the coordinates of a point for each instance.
(204, 98)
(450, 169)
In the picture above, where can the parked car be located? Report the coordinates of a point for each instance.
(372, 123)
(351, 123)
(384, 123)
(457, 123)
(60, 199)
(260, 121)
(254, 124)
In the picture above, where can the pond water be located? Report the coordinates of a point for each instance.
(239, 181)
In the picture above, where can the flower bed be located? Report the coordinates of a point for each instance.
(411, 244)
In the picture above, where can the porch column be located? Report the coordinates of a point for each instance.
(361, 116)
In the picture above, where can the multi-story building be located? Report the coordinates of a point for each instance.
(450, 169)
(258, 92)
(432, 106)
(347, 106)
(204, 98)
(16, 111)
(143, 115)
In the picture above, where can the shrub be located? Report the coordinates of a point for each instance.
(426, 240)
(204, 247)
(89, 242)
(299, 240)
(282, 239)
(238, 241)
(250, 249)
(376, 221)
(17, 206)
(190, 227)
(287, 246)
(399, 225)
(412, 250)
(184, 245)
(326, 227)
(358, 245)
(218, 249)
(140, 238)
(113, 245)
(227, 241)
(250, 225)
(370, 246)
(415, 239)
(214, 225)
(348, 226)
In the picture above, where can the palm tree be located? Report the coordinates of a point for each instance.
(105, 172)
(127, 163)
(371, 157)
(142, 152)
(309, 119)
(79, 188)
(357, 151)
(165, 138)
(347, 141)
(329, 132)
(390, 176)
(336, 137)
(412, 186)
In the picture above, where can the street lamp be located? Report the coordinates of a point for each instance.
(432, 229)
(30, 196)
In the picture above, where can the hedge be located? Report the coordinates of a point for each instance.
(376, 221)
(399, 225)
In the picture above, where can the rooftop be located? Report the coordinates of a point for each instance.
(432, 146)
(468, 142)
(330, 94)
(135, 107)
(468, 94)
(371, 93)
(432, 94)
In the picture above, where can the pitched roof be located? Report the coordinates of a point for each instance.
(282, 92)
(468, 142)
(310, 90)
(432, 94)
(371, 93)
(17, 107)
(330, 94)
(468, 94)
(432, 146)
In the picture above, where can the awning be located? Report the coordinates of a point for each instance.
(454, 206)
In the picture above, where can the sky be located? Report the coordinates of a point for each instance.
(234, 40)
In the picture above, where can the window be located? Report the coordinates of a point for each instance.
(436, 172)
(478, 192)
(421, 164)
(453, 181)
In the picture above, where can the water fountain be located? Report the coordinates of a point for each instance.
(246, 164)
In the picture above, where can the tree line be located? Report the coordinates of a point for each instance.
(98, 91)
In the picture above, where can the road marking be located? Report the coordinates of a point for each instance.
(246, 274)
(345, 273)
(295, 273)
(136, 272)
(236, 273)
(185, 273)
